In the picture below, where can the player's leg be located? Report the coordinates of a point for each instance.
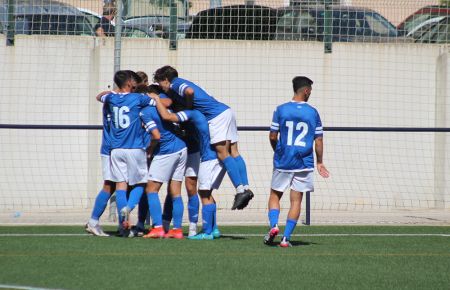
(292, 218)
(177, 210)
(193, 203)
(301, 182)
(136, 161)
(280, 181)
(154, 206)
(178, 162)
(101, 201)
(167, 210)
(211, 174)
(242, 200)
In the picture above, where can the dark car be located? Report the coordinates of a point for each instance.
(348, 24)
(249, 22)
(437, 33)
(45, 17)
(422, 15)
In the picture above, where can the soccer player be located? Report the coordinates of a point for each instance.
(295, 132)
(211, 171)
(168, 166)
(222, 128)
(128, 157)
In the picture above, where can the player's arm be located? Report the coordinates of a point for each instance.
(100, 95)
(274, 130)
(318, 142)
(162, 110)
(189, 98)
(156, 136)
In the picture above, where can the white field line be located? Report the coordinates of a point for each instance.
(5, 286)
(253, 235)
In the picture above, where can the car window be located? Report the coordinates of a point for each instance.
(134, 33)
(58, 25)
(379, 25)
(415, 20)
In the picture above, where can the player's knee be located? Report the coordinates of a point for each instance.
(205, 193)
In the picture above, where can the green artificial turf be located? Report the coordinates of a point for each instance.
(238, 260)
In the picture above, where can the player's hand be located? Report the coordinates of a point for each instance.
(323, 171)
(154, 96)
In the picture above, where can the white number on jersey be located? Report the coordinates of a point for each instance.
(121, 120)
(301, 126)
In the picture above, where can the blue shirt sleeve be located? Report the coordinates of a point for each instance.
(179, 86)
(275, 126)
(105, 98)
(319, 128)
(183, 116)
(146, 117)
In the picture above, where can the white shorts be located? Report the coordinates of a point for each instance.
(299, 181)
(192, 165)
(129, 165)
(223, 127)
(106, 167)
(210, 175)
(168, 167)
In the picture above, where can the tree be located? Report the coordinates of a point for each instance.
(445, 2)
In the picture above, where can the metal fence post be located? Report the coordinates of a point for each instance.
(328, 29)
(118, 35)
(173, 25)
(11, 24)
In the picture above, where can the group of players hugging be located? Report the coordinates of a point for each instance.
(173, 130)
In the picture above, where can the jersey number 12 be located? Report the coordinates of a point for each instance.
(301, 126)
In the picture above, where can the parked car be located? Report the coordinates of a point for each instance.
(45, 17)
(348, 24)
(249, 22)
(417, 31)
(93, 17)
(157, 25)
(421, 15)
(438, 33)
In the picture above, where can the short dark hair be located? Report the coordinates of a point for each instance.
(165, 72)
(154, 89)
(121, 77)
(300, 82)
(134, 76)
(143, 76)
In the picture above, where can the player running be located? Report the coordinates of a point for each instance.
(222, 128)
(298, 126)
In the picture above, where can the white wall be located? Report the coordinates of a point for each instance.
(53, 80)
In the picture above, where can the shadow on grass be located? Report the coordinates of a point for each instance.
(293, 243)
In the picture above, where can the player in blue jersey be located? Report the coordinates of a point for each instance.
(128, 157)
(211, 171)
(222, 128)
(296, 132)
(168, 166)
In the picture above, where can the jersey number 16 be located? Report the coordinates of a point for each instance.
(121, 120)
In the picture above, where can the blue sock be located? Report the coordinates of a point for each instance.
(135, 196)
(178, 209)
(143, 209)
(155, 208)
(121, 200)
(193, 208)
(233, 171)
(168, 208)
(208, 217)
(290, 226)
(214, 219)
(101, 201)
(273, 217)
(242, 169)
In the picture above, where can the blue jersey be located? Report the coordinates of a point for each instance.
(201, 124)
(126, 126)
(298, 125)
(105, 149)
(169, 142)
(203, 102)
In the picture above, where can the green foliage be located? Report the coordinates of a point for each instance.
(445, 2)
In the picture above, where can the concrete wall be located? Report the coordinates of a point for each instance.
(53, 80)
